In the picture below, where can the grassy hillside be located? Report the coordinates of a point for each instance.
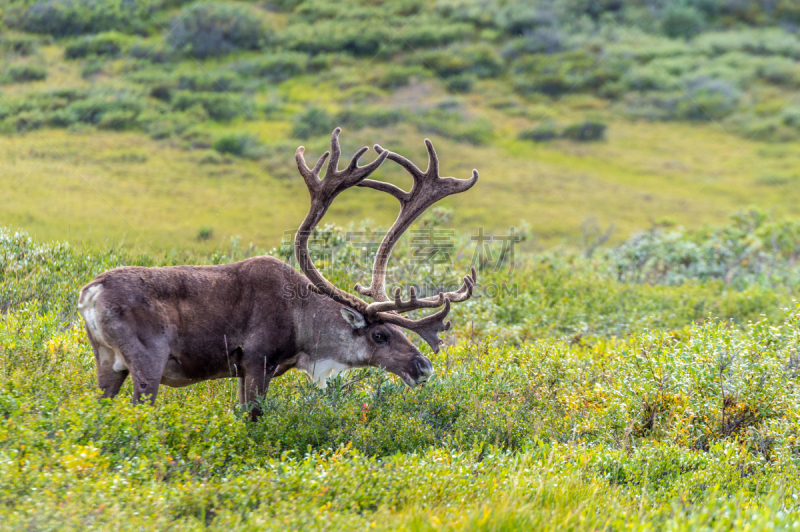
(147, 122)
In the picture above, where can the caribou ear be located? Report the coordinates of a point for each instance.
(352, 317)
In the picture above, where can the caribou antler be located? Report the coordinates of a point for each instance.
(428, 188)
(323, 192)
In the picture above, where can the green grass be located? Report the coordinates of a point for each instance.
(84, 187)
(582, 403)
(621, 429)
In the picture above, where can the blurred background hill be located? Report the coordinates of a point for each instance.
(171, 125)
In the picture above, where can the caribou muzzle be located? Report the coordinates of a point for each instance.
(419, 371)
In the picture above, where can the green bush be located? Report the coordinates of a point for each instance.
(780, 71)
(206, 29)
(312, 122)
(210, 82)
(274, 67)
(23, 73)
(561, 73)
(461, 83)
(681, 20)
(396, 76)
(585, 131)
(62, 108)
(240, 145)
(369, 36)
(480, 60)
(117, 112)
(160, 52)
(750, 250)
(220, 107)
(205, 233)
(23, 45)
(539, 41)
(109, 44)
(708, 99)
(91, 68)
(62, 18)
(540, 133)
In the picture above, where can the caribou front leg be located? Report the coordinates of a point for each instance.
(253, 385)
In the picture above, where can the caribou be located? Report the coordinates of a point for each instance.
(181, 325)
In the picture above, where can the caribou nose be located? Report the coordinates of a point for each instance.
(424, 367)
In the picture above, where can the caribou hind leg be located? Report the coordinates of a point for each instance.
(147, 367)
(109, 379)
(145, 360)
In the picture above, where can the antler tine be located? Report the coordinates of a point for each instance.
(428, 327)
(412, 168)
(336, 152)
(323, 192)
(398, 305)
(311, 177)
(354, 161)
(433, 159)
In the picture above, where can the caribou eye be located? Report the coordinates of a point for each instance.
(379, 337)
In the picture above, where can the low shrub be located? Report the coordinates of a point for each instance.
(62, 18)
(708, 99)
(109, 44)
(63, 108)
(91, 68)
(160, 52)
(480, 60)
(540, 133)
(682, 20)
(240, 145)
(779, 71)
(220, 107)
(274, 67)
(210, 82)
(312, 122)
(370, 36)
(396, 76)
(117, 112)
(24, 73)
(206, 29)
(543, 40)
(561, 73)
(204, 233)
(23, 45)
(461, 83)
(585, 131)
(750, 250)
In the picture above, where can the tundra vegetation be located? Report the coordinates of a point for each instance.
(625, 380)
(651, 385)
